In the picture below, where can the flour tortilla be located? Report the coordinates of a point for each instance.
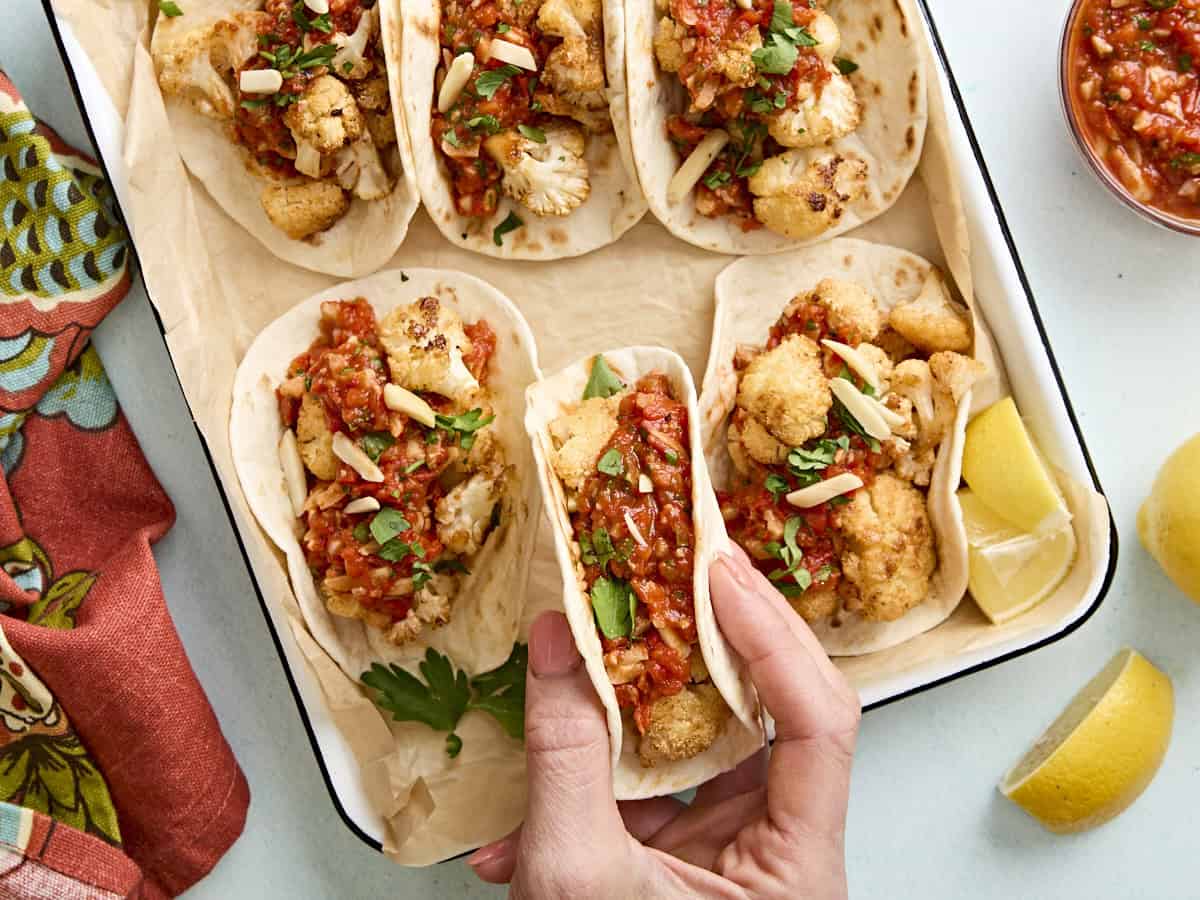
(486, 612)
(743, 734)
(751, 293)
(359, 243)
(880, 35)
(615, 204)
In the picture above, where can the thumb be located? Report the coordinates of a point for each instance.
(567, 748)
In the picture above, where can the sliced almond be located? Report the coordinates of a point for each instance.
(456, 79)
(402, 400)
(893, 418)
(824, 491)
(362, 505)
(859, 405)
(260, 81)
(308, 159)
(634, 531)
(356, 458)
(694, 166)
(645, 485)
(320, 7)
(672, 639)
(293, 471)
(514, 54)
(859, 364)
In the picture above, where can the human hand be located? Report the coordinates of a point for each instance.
(772, 827)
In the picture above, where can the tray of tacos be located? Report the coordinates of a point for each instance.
(486, 308)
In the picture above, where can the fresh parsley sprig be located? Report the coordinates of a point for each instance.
(465, 425)
(615, 606)
(446, 694)
(602, 382)
(794, 579)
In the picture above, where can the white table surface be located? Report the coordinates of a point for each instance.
(1121, 306)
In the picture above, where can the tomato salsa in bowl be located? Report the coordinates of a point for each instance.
(1130, 76)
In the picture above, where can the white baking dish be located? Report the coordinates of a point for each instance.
(1003, 297)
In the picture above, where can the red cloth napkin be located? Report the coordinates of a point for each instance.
(93, 679)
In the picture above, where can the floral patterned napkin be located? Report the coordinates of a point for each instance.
(115, 779)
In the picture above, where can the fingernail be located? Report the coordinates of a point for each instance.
(551, 647)
(488, 853)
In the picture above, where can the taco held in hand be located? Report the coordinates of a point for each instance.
(283, 109)
(844, 417)
(518, 117)
(621, 458)
(802, 118)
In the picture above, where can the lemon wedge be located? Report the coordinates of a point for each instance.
(1101, 752)
(1003, 468)
(1011, 571)
(1169, 521)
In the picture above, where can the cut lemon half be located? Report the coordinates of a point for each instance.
(1005, 470)
(1101, 752)
(1011, 571)
(1169, 521)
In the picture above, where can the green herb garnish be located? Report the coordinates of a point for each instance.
(534, 134)
(387, 524)
(487, 123)
(602, 382)
(465, 425)
(777, 485)
(512, 223)
(671, 456)
(491, 80)
(844, 65)
(611, 463)
(615, 605)
(791, 556)
(375, 443)
(169, 8)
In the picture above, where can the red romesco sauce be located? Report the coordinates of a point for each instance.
(652, 440)
(345, 368)
(1135, 89)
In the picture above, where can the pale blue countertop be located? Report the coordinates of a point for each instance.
(1120, 304)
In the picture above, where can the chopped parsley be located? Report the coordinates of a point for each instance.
(777, 485)
(602, 382)
(534, 134)
(716, 179)
(778, 55)
(465, 425)
(492, 80)
(412, 467)
(169, 9)
(375, 443)
(1186, 161)
(1162, 4)
(512, 223)
(488, 123)
(807, 464)
(790, 554)
(503, 28)
(387, 524)
(1148, 46)
(320, 23)
(672, 457)
(597, 548)
(852, 424)
(844, 65)
(611, 463)
(362, 532)
(291, 61)
(615, 606)
(1143, 23)
(450, 136)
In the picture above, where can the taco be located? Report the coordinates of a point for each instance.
(835, 408)
(376, 432)
(286, 111)
(636, 526)
(518, 119)
(762, 125)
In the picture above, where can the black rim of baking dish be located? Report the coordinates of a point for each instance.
(1025, 286)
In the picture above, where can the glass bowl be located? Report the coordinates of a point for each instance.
(1099, 169)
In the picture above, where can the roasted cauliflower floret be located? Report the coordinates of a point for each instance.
(576, 65)
(668, 44)
(326, 117)
(431, 604)
(588, 108)
(933, 321)
(350, 60)
(315, 439)
(933, 390)
(580, 436)
(550, 178)
(889, 554)
(819, 118)
(882, 364)
(801, 199)
(894, 345)
(734, 59)
(786, 391)
(371, 94)
(816, 604)
(425, 344)
(750, 443)
(852, 312)
(358, 168)
(304, 208)
(197, 66)
(520, 11)
(465, 514)
(683, 725)
(825, 32)
(956, 373)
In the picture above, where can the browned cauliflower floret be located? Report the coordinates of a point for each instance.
(580, 436)
(816, 604)
(933, 321)
(520, 11)
(548, 177)
(350, 61)
(787, 392)
(464, 514)
(853, 314)
(325, 118)
(360, 169)
(198, 65)
(668, 44)
(956, 373)
(425, 344)
(382, 128)
(881, 362)
(683, 725)
(802, 199)
(751, 445)
(315, 439)
(825, 32)
(576, 65)
(371, 94)
(588, 108)
(894, 345)
(889, 554)
(734, 59)
(818, 118)
(304, 208)
(933, 389)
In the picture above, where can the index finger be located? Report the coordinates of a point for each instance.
(809, 778)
